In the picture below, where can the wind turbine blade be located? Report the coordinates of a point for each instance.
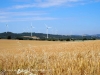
(32, 26)
(49, 27)
(6, 25)
(46, 26)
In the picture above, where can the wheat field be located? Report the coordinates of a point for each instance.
(49, 58)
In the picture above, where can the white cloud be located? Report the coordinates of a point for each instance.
(21, 0)
(49, 3)
(34, 18)
(27, 16)
(44, 18)
(46, 3)
(23, 16)
(31, 13)
(2, 17)
(26, 19)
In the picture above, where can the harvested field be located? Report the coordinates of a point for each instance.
(49, 58)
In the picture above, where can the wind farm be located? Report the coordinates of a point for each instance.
(50, 37)
(31, 53)
(28, 34)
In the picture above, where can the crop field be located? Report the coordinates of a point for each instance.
(49, 58)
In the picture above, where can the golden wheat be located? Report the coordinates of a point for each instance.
(49, 58)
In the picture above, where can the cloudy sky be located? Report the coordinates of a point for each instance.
(64, 16)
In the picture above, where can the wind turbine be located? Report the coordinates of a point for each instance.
(28, 30)
(6, 28)
(82, 36)
(47, 30)
(56, 31)
(31, 29)
(23, 30)
(71, 35)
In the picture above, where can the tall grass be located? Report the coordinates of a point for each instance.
(69, 58)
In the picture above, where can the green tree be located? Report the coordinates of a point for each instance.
(9, 37)
(84, 39)
(67, 39)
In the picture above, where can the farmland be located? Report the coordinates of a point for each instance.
(49, 58)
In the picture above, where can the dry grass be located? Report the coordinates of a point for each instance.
(49, 58)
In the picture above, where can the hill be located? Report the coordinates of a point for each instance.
(42, 36)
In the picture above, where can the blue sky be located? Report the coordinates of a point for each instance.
(64, 16)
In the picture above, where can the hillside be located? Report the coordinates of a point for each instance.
(26, 35)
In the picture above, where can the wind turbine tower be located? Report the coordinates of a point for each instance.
(47, 30)
(6, 28)
(31, 29)
(56, 31)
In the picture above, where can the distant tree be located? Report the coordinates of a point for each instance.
(54, 39)
(61, 39)
(30, 38)
(9, 37)
(49, 39)
(42, 39)
(73, 39)
(84, 39)
(67, 39)
(20, 38)
(93, 38)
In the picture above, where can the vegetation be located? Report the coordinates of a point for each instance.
(41, 36)
(67, 39)
(9, 37)
(19, 38)
(39, 58)
(93, 38)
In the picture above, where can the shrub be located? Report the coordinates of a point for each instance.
(61, 39)
(30, 38)
(67, 39)
(19, 38)
(93, 38)
(84, 39)
(9, 37)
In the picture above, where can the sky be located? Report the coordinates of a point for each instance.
(66, 17)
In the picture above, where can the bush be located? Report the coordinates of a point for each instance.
(73, 39)
(31, 39)
(9, 37)
(93, 38)
(55, 39)
(42, 39)
(52, 39)
(49, 39)
(67, 39)
(19, 38)
(61, 39)
(84, 39)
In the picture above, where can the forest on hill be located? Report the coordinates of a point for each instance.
(42, 36)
